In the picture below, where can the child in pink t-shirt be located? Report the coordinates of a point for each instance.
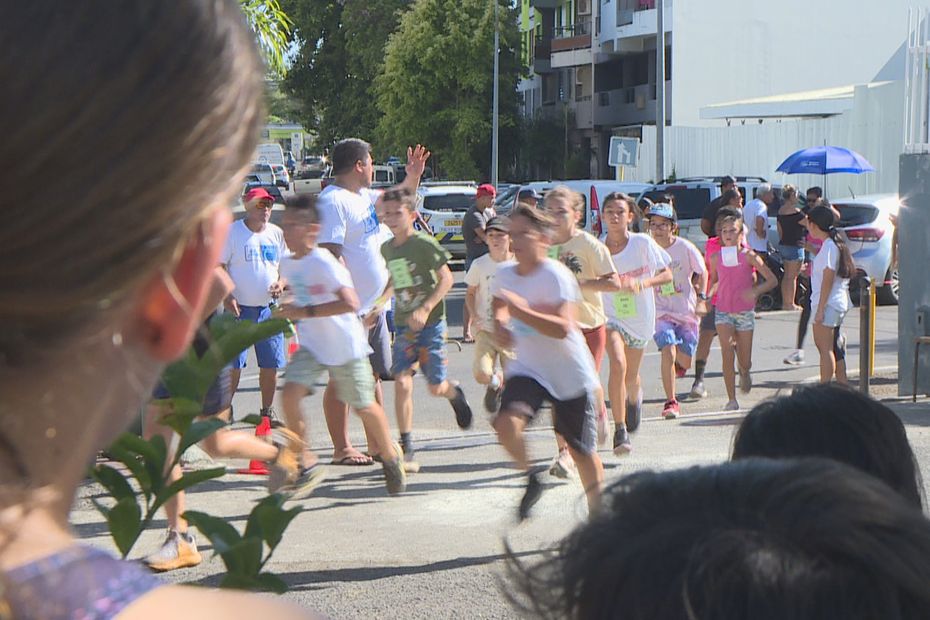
(731, 279)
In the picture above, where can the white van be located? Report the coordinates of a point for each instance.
(270, 153)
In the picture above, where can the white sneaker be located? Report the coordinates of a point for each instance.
(796, 358)
(732, 406)
(178, 551)
(562, 465)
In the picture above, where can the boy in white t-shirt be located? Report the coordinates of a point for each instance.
(534, 305)
(478, 299)
(332, 338)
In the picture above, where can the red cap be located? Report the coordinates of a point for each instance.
(486, 190)
(258, 193)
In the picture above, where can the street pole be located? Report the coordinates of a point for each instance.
(494, 120)
(660, 91)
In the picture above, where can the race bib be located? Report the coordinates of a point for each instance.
(729, 256)
(400, 273)
(667, 289)
(553, 252)
(624, 305)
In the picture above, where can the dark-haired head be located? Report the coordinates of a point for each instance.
(303, 205)
(726, 213)
(732, 198)
(838, 423)
(823, 218)
(349, 154)
(754, 539)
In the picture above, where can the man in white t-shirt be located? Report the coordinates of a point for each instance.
(351, 231)
(756, 216)
(252, 255)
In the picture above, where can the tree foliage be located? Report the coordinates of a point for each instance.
(437, 84)
(272, 28)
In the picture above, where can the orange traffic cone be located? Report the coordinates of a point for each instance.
(258, 468)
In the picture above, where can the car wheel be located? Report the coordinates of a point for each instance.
(888, 294)
(766, 302)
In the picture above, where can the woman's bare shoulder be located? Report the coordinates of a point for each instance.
(213, 604)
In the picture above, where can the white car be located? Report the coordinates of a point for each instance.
(282, 176)
(869, 224)
(443, 206)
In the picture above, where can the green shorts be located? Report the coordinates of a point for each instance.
(355, 381)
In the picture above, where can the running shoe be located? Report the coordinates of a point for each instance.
(745, 381)
(532, 494)
(309, 479)
(671, 410)
(680, 371)
(178, 551)
(411, 466)
(634, 412)
(492, 399)
(603, 428)
(462, 409)
(395, 478)
(622, 443)
(796, 358)
(697, 389)
(732, 406)
(562, 466)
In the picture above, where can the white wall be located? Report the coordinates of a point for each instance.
(728, 50)
(874, 128)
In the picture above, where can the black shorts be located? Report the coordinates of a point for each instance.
(218, 398)
(575, 419)
(709, 320)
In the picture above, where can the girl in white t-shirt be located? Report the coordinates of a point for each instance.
(830, 273)
(631, 312)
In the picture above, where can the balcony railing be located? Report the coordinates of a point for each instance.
(578, 29)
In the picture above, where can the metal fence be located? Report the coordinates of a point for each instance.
(917, 83)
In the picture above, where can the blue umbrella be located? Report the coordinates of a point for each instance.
(825, 160)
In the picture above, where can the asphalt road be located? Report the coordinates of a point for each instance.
(438, 551)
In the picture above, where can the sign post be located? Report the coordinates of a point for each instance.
(623, 153)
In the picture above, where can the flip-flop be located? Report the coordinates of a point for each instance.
(355, 460)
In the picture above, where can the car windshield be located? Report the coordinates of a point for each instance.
(689, 202)
(382, 176)
(856, 215)
(312, 160)
(449, 202)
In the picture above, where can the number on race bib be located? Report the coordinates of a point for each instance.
(624, 305)
(400, 273)
(667, 289)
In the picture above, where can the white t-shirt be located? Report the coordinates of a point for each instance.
(756, 208)
(481, 274)
(829, 256)
(677, 300)
(563, 366)
(315, 279)
(349, 219)
(252, 259)
(641, 258)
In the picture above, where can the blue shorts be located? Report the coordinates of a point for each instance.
(218, 398)
(669, 333)
(271, 352)
(791, 252)
(428, 346)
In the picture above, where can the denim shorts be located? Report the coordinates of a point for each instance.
(791, 252)
(740, 321)
(669, 333)
(271, 352)
(427, 346)
(833, 317)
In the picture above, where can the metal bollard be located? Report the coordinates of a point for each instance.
(865, 331)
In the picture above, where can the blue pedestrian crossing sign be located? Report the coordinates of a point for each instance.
(623, 152)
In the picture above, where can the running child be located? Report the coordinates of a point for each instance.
(534, 306)
(830, 273)
(325, 306)
(420, 278)
(631, 312)
(589, 261)
(733, 281)
(678, 307)
(488, 355)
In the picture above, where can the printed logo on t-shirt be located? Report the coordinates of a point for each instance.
(263, 253)
(371, 223)
(572, 262)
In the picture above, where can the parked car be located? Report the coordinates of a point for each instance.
(868, 222)
(443, 206)
(264, 172)
(309, 182)
(277, 212)
(274, 190)
(282, 176)
(694, 194)
(314, 162)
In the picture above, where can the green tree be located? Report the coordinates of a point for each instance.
(272, 28)
(340, 52)
(437, 83)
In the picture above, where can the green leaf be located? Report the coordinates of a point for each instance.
(268, 520)
(198, 431)
(113, 481)
(244, 557)
(182, 415)
(263, 582)
(253, 419)
(221, 534)
(131, 460)
(125, 522)
(185, 482)
(227, 347)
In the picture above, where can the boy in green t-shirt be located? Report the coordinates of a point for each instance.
(420, 277)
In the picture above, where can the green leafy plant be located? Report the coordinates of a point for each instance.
(147, 464)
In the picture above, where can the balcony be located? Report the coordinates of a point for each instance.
(636, 24)
(571, 45)
(630, 106)
(542, 55)
(545, 4)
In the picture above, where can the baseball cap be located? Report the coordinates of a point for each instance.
(498, 222)
(258, 193)
(529, 192)
(486, 189)
(663, 209)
